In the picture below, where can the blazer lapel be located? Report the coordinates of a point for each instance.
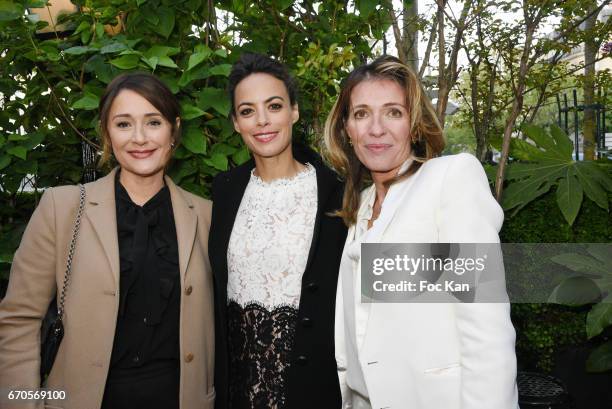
(102, 214)
(395, 198)
(324, 186)
(186, 222)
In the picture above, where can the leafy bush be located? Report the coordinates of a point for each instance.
(51, 84)
(544, 330)
(543, 160)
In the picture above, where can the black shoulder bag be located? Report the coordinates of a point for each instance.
(52, 328)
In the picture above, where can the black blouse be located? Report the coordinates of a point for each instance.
(146, 340)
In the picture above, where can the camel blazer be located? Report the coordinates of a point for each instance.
(427, 355)
(92, 300)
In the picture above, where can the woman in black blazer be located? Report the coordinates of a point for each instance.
(275, 252)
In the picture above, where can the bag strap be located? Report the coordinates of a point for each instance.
(71, 248)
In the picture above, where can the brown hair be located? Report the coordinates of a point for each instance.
(425, 130)
(150, 88)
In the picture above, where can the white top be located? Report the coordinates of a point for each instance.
(425, 355)
(271, 239)
(355, 379)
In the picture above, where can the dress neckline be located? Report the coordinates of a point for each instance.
(302, 174)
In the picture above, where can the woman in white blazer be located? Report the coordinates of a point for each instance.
(412, 355)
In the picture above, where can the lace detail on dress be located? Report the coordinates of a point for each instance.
(260, 344)
(271, 239)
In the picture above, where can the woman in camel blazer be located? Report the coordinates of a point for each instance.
(411, 354)
(90, 351)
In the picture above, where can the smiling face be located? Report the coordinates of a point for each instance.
(379, 127)
(264, 115)
(140, 136)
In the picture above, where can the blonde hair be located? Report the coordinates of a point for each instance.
(425, 130)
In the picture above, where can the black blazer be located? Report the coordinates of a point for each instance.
(312, 380)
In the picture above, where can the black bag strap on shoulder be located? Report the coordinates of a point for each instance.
(52, 328)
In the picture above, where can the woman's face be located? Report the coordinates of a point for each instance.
(379, 127)
(264, 115)
(140, 135)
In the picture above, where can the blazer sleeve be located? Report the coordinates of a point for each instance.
(340, 345)
(469, 214)
(31, 288)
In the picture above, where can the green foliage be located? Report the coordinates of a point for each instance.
(458, 139)
(545, 160)
(319, 42)
(543, 330)
(51, 84)
(319, 71)
(593, 283)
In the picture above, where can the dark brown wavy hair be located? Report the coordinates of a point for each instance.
(425, 130)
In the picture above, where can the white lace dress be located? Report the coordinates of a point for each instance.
(266, 258)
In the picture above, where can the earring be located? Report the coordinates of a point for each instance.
(350, 141)
(172, 145)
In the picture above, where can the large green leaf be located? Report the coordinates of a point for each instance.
(5, 160)
(162, 51)
(166, 21)
(126, 62)
(538, 181)
(550, 164)
(18, 151)
(524, 150)
(563, 143)
(592, 187)
(87, 102)
(78, 50)
(539, 136)
(598, 319)
(191, 111)
(194, 140)
(575, 291)
(10, 10)
(602, 252)
(581, 263)
(223, 149)
(366, 7)
(33, 140)
(553, 143)
(594, 171)
(600, 359)
(102, 70)
(221, 69)
(569, 196)
(196, 58)
(182, 170)
(113, 47)
(151, 61)
(17, 137)
(241, 156)
(217, 161)
(216, 98)
(166, 62)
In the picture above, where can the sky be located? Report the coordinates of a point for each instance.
(428, 8)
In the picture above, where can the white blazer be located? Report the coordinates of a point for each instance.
(429, 356)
